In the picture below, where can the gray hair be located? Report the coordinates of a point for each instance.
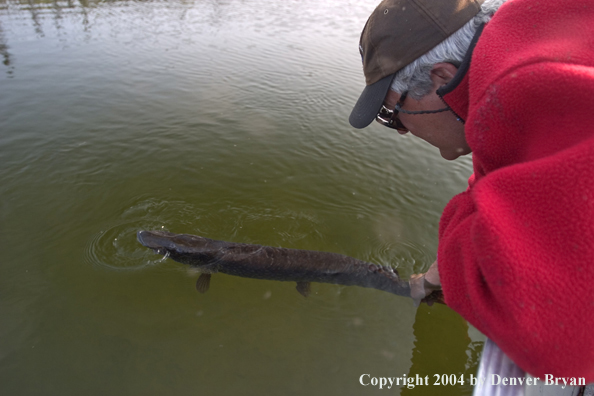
(416, 76)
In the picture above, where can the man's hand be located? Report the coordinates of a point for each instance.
(422, 285)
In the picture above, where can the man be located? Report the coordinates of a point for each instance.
(512, 83)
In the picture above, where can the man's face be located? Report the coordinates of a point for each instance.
(441, 130)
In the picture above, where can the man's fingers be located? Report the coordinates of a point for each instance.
(417, 288)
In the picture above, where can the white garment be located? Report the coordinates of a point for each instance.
(496, 368)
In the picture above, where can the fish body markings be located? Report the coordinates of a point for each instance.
(265, 262)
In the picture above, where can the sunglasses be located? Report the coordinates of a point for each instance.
(389, 118)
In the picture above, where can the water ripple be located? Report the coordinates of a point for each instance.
(115, 246)
(405, 254)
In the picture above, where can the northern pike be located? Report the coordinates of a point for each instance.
(265, 262)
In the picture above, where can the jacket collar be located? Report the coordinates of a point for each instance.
(455, 93)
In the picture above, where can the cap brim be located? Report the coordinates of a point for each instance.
(370, 102)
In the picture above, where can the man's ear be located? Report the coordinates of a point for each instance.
(442, 73)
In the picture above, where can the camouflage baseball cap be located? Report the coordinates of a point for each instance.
(397, 33)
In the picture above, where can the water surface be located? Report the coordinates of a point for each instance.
(226, 119)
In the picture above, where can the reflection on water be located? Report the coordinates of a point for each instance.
(226, 119)
(6, 57)
(430, 349)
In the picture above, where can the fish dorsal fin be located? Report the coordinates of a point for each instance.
(304, 288)
(203, 283)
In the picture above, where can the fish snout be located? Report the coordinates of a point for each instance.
(140, 236)
(184, 248)
(154, 239)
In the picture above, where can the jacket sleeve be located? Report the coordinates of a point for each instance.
(516, 250)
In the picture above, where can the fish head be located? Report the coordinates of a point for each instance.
(184, 248)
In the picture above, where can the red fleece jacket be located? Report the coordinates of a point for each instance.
(516, 250)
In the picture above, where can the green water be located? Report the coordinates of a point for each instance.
(226, 119)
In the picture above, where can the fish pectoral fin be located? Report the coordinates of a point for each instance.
(304, 288)
(203, 283)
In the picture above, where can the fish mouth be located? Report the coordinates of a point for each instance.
(184, 248)
(156, 240)
(164, 241)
